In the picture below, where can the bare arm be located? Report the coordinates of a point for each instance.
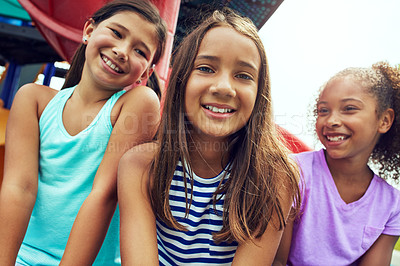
(137, 123)
(263, 250)
(284, 247)
(19, 188)
(138, 227)
(380, 253)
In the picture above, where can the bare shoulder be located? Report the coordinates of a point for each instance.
(144, 91)
(134, 165)
(136, 104)
(139, 157)
(37, 91)
(35, 94)
(138, 98)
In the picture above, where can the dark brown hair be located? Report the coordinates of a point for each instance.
(260, 166)
(142, 7)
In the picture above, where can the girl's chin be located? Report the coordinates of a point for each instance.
(334, 154)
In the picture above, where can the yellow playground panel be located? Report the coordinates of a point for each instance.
(3, 122)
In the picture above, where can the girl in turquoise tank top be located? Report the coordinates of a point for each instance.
(59, 192)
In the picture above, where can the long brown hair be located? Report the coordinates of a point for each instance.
(260, 166)
(142, 7)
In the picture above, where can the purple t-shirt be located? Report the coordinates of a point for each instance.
(332, 232)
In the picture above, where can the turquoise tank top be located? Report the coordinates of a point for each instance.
(67, 167)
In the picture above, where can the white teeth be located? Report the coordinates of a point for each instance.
(218, 110)
(335, 138)
(111, 65)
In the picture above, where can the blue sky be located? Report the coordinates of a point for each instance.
(308, 41)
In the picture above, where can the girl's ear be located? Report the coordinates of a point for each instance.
(386, 120)
(88, 29)
(147, 73)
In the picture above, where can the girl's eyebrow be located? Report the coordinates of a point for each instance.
(119, 26)
(343, 100)
(248, 65)
(207, 57)
(216, 59)
(351, 99)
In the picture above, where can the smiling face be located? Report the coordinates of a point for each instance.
(119, 50)
(347, 122)
(222, 87)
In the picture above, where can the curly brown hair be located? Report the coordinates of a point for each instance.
(382, 81)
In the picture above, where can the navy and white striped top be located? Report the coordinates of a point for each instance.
(194, 246)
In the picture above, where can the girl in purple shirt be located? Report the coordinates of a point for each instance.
(349, 215)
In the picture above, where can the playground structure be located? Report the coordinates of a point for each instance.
(60, 25)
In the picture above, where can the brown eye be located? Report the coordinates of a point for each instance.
(141, 53)
(322, 111)
(116, 33)
(350, 108)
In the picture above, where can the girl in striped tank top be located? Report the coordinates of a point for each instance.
(217, 186)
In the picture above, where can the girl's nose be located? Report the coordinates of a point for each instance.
(223, 87)
(120, 53)
(333, 121)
